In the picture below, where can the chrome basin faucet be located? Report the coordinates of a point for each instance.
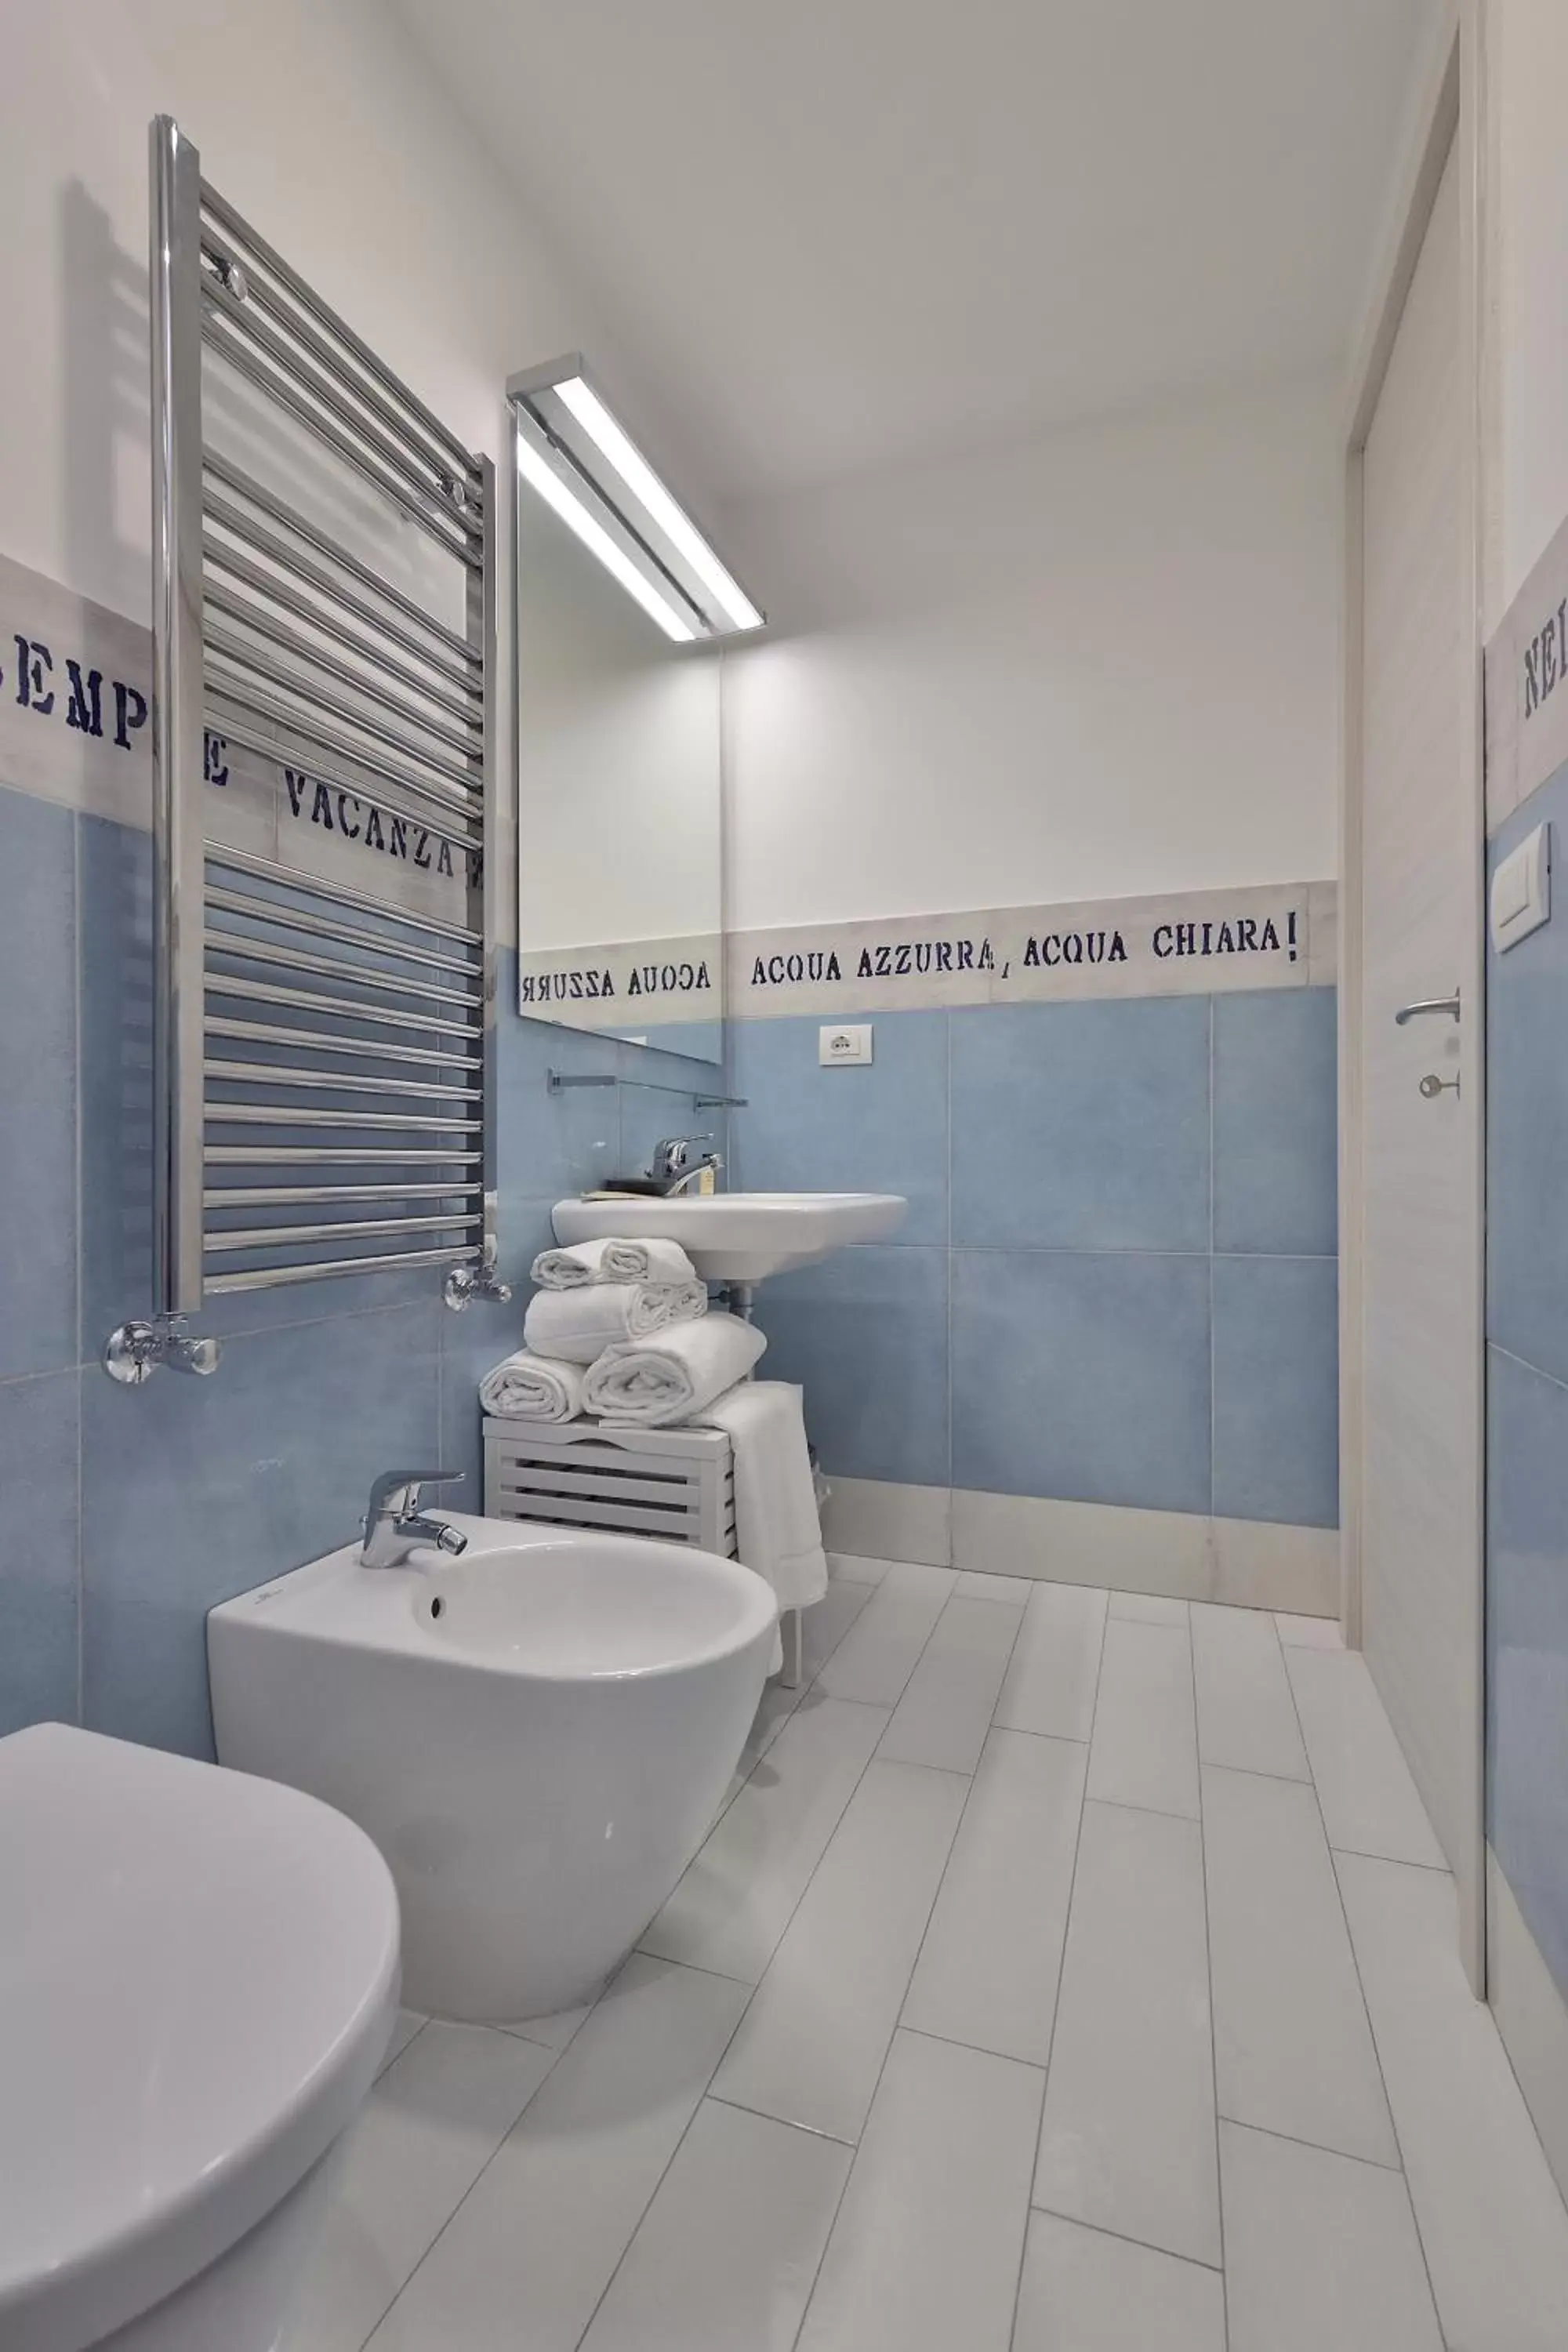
(678, 1161)
(393, 1527)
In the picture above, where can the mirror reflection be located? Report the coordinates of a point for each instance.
(619, 881)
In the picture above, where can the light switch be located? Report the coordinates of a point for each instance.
(1521, 890)
(847, 1041)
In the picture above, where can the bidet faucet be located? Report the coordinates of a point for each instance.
(393, 1527)
(677, 1163)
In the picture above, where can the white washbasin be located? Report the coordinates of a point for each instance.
(738, 1236)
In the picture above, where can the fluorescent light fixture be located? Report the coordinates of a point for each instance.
(555, 493)
(645, 485)
(575, 452)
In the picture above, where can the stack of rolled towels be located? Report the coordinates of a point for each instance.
(620, 1329)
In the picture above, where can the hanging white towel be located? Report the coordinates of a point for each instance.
(612, 1260)
(581, 1324)
(671, 1376)
(777, 1530)
(533, 1388)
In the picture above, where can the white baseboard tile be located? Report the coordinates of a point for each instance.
(1260, 1565)
(1532, 2017)
(876, 1518)
(1251, 1564)
(1083, 1543)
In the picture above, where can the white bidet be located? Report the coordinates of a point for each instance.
(536, 1734)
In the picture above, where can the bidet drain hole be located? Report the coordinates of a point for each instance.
(437, 1607)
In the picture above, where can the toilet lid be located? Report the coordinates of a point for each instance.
(198, 1971)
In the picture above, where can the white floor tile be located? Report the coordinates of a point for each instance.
(430, 2127)
(823, 1627)
(1246, 1716)
(811, 2045)
(1322, 2253)
(976, 1584)
(532, 2248)
(988, 1969)
(1368, 1800)
(1054, 1669)
(1493, 2224)
(1085, 2291)
(878, 1656)
(924, 2254)
(1293, 2052)
(727, 2253)
(857, 1571)
(1149, 1608)
(736, 1899)
(406, 2025)
(776, 1706)
(556, 2031)
(1128, 2140)
(945, 1712)
(1310, 1633)
(1144, 1749)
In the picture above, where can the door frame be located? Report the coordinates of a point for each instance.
(1448, 120)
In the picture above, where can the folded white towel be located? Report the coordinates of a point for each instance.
(777, 1530)
(533, 1388)
(671, 1376)
(612, 1260)
(581, 1324)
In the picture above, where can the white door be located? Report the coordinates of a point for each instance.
(1420, 833)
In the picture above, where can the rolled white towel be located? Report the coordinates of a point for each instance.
(581, 1324)
(778, 1531)
(612, 1260)
(527, 1387)
(671, 1376)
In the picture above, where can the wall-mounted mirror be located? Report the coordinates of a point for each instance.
(618, 603)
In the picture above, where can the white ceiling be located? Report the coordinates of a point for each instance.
(834, 236)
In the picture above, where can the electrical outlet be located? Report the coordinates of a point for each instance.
(847, 1041)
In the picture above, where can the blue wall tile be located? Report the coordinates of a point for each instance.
(1276, 1390)
(1527, 1118)
(1276, 1122)
(1527, 1645)
(38, 1429)
(471, 1342)
(196, 1489)
(38, 1086)
(881, 1129)
(553, 1144)
(1081, 1126)
(1084, 1375)
(866, 1334)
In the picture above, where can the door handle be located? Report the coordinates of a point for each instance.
(1428, 1004)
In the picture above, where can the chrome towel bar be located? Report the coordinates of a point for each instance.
(326, 788)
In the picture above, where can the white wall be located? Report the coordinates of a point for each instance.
(1525, 356)
(1100, 664)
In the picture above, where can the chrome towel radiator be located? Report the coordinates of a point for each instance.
(326, 742)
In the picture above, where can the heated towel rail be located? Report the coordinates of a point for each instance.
(326, 740)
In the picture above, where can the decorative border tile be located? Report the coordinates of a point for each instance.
(1527, 687)
(636, 984)
(1195, 942)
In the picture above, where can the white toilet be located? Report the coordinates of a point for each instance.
(198, 1977)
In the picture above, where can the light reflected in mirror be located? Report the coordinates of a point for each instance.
(619, 876)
